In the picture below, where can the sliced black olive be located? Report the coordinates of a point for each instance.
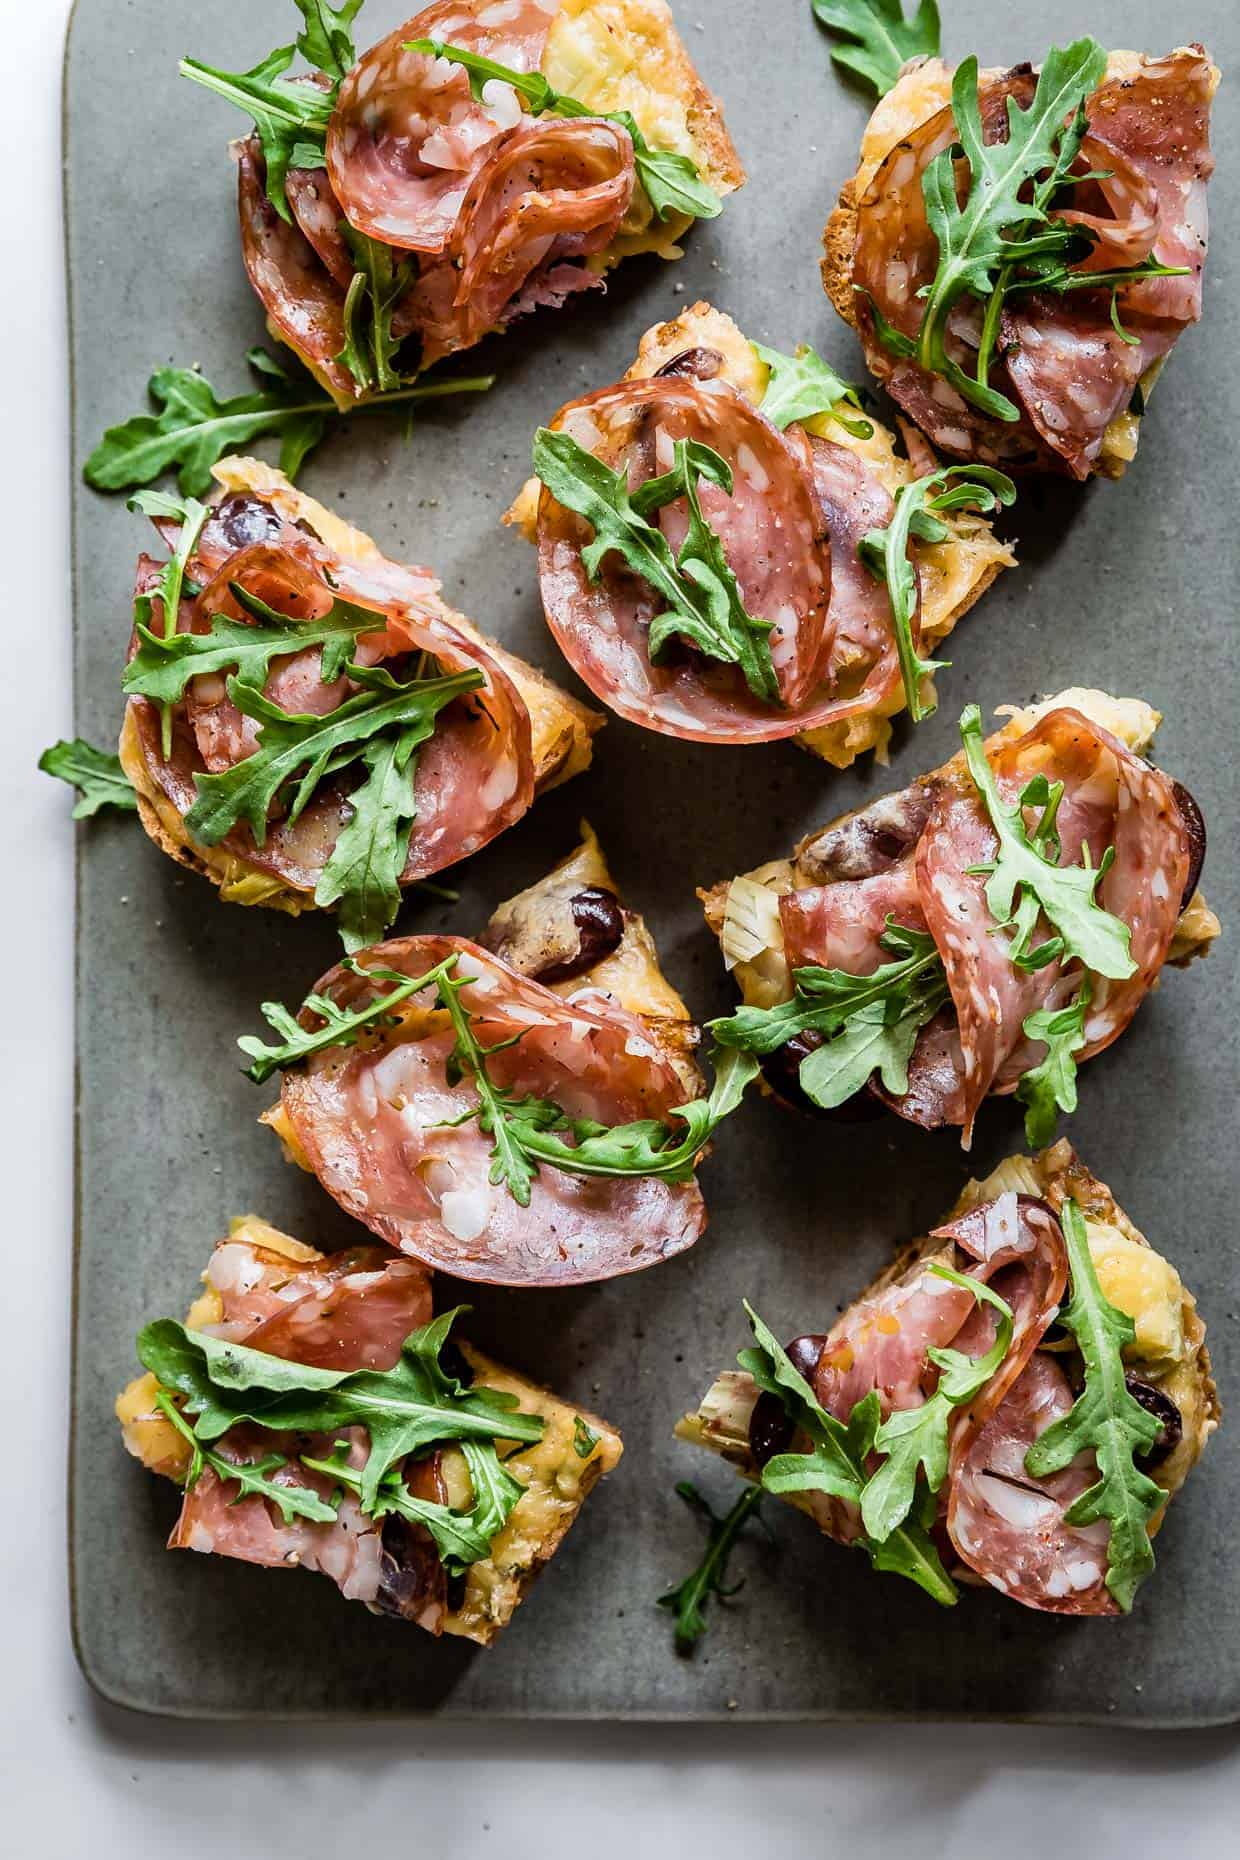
(782, 1072)
(1195, 828)
(600, 926)
(770, 1428)
(1164, 1410)
(703, 364)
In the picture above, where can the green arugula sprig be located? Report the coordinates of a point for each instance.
(298, 752)
(1106, 1420)
(290, 116)
(868, 1023)
(378, 284)
(704, 602)
(689, 1598)
(1050, 1086)
(165, 665)
(803, 387)
(1004, 236)
(672, 182)
(917, 513)
(98, 777)
(1024, 879)
(251, 1477)
(525, 1130)
(406, 1409)
(192, 428)
(837, 1465)
(461, 1537)
(190, 515)
(915, 1440)
(878, 38)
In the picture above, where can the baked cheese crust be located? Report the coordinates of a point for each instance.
(556, 1476)
(562, 728)
(954, 573)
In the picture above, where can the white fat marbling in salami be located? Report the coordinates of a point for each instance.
(376, 1124)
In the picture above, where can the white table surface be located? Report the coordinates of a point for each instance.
(79, 1778)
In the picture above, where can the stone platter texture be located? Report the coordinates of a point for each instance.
(1128, 586)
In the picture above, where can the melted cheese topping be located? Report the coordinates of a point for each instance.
(627, 55)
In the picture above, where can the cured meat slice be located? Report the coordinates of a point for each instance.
(548, 192)
(380, 1126)
(301, 298)
(1111, 797)
(406, 138)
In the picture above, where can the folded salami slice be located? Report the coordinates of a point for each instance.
(1070, 360)
(788, 531)
(391, 1128)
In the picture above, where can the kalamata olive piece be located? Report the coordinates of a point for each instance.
(703, 364)
(782, 1072)
(1164, 1410)
(770, 1428)
(600, 926)
(1195, 828)
(243, 520)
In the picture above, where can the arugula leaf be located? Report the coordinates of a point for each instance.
(1022, 879)
(252, 1477)
(287, 115)
(363, 872)
(803, 386)
(311, 746)
(885, 553)
(378, 285)
(672, 182)
(340, 1027)
(915, 1439)
(584, 1438)
(414, 1405)
(836, 1464)
(97, 776)
(191, 516)
(1050, 1087)
(869, 1023)
(325, 41)
(881, 38)
(689, 1597)
(192, 428)
(1105, 1420)
(163, 667)
(461, 1537)
(703, 599)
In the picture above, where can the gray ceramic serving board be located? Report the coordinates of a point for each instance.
(1130, 586)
